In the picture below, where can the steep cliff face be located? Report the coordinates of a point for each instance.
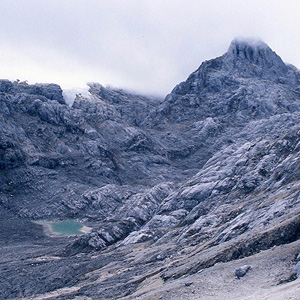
(249, 81)
(209, 174)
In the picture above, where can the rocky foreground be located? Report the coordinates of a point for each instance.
(195, 196)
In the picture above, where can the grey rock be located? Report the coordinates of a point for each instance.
(242, 271)
(170, 187)
(297, 269)
(5, 86)
(249, 81)
(50, 91)
(133, 108)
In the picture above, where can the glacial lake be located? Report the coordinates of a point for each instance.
(63, 228)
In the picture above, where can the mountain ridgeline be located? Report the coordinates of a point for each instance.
(208, 175)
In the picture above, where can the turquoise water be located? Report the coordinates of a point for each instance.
(68, 227)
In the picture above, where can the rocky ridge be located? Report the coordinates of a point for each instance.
(208, 175)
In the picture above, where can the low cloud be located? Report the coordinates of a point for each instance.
(147, 46)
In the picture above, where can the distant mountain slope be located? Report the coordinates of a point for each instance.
(248, 81)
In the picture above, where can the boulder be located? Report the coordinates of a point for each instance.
(242, 271)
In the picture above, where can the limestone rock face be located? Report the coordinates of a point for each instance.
(256, 55)
(242, 271)
(208, 175)
(297, 269)
(249, 81)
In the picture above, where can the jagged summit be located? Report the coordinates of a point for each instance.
(255, 42)
(245, 58)
(239, 45)
(249, 80)
(253, 51)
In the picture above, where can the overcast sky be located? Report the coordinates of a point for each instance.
(146, 46)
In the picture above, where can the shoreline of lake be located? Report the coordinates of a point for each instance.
(56, 228)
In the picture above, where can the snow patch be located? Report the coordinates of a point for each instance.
(70, 94)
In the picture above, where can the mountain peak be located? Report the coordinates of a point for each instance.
(255, 52)
(254, 43)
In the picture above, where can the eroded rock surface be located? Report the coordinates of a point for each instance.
(171, 187)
